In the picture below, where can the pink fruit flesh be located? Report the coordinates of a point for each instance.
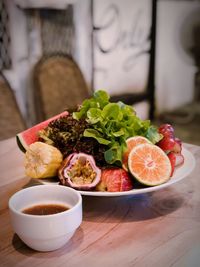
(29, 136)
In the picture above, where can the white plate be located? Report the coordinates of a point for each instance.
(180, 172)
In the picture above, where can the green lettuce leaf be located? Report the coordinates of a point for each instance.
(112, 123)
(153, 135)
(96, 135)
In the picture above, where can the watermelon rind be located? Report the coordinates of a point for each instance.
(21, 144)
(29, 136)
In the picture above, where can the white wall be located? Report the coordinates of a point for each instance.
(174, 71)
(123, 32)
(19, 54)
(83, 42)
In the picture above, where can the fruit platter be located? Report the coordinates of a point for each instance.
(104, 149)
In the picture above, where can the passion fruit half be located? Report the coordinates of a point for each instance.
(79, 171)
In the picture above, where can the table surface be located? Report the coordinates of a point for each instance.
(154, 229)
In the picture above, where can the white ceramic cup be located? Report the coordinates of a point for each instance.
(46, 232)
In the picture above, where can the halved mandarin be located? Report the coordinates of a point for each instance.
(131, 143)
(149, 164)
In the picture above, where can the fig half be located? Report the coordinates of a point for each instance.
(79, 171)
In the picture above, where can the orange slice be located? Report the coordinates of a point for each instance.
(149, 164)
(131, 143)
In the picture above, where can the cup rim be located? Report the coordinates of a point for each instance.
(21, 191)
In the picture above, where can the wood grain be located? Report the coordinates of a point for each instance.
(155, 229)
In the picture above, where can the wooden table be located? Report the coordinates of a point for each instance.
(155, 229)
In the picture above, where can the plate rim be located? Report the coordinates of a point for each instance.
(188, 157)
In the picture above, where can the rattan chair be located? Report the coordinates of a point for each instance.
(11, 120)
(58, 85)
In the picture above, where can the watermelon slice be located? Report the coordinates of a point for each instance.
(29, 136)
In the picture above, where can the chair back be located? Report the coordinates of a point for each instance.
(58, 85)
(11, 120)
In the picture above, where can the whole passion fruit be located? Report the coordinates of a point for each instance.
(79, 171)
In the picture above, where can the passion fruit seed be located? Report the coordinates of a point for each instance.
(81, 172)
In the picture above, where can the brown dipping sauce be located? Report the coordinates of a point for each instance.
(45, 209)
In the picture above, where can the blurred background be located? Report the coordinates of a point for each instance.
(54, 54)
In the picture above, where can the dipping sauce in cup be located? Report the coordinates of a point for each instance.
(50, 231)
(45, 209)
